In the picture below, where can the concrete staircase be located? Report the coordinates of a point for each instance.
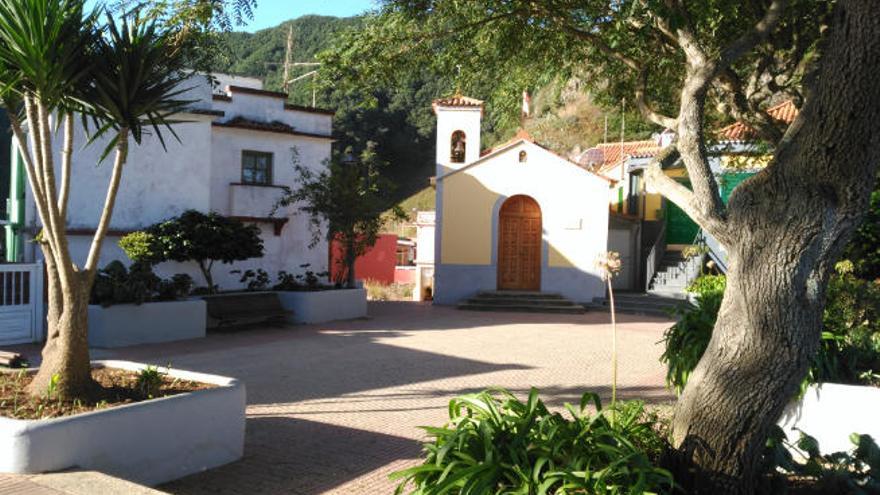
(640, 304)
(523, 302)
(674, 274)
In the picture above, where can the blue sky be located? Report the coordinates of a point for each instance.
(273, 12)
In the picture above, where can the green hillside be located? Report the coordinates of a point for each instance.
(399, 119)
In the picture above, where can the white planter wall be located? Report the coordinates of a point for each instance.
(148, 442)
(830, 413)
(129, 324)
(324, 305)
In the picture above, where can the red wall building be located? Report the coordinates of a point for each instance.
(376, 264)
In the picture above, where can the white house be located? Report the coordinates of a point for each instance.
(235, 153)
(515, 217)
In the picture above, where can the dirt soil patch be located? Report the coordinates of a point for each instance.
(117, 387)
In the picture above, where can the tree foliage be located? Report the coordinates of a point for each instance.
(344, 203)
(195, 236)
(864, 249)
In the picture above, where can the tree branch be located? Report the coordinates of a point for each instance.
(66, 155)
(741, 109)
(646, 111)
(109, 202)
(672, 190)
(754, 36)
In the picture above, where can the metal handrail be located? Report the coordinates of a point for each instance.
(714, 249)
(655, 255)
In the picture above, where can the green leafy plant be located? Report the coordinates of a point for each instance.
(850, 347)
(686, 340)
(286, 282)
(149, 381)
(195, 236)
(856, 471)
(496, 444)
(254, 280)
(116, 284)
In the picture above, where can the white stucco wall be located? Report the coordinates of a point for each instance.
(197, 172)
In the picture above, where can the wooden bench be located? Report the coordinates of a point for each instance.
(236, 310)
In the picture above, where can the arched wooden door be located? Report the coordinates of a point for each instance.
(519, 244)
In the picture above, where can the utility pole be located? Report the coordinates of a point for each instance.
(288, 57)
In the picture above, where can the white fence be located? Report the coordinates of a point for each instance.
(21, 303)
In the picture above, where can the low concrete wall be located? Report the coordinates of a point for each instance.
(128, 324)
(831, 413)
(324, 305)
(148, 442)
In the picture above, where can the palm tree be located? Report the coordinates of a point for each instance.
(122, 79)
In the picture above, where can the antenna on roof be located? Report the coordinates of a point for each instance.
(289, 64)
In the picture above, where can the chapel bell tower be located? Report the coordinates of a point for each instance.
(458, 132)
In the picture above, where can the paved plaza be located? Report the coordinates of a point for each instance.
(334, 408)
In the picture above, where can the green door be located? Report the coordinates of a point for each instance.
(680, 229)
(730, 180)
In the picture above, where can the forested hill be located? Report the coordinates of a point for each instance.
(399, 119)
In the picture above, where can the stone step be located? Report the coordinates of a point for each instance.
(525, 308)
(526, 301)
(511, 294)
(653, 299)
(630, 310)
(522, 301)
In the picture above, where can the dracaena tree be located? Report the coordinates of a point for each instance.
(118, 79)
(688, 66)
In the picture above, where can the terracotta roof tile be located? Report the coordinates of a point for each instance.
(457, 101)
(784, 112)
(607, 155)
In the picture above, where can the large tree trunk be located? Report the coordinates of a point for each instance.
(65, 368)
(785, 229)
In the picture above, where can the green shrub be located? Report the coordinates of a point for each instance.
(116, 284)
(495, 444)
(198, 237)
(687, 339)
(856, 471)
(850, 346)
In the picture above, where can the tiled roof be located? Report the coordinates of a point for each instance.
(784, 112)
(607, 155)
(274, 126)
(457, 101)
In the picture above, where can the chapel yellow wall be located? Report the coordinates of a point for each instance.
(571, 228)
(467, 206)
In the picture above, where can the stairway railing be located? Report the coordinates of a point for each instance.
(716, 252)
(655, 255)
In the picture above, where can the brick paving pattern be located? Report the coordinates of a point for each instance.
(334, 408)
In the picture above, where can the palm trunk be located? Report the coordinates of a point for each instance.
(66, 352)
